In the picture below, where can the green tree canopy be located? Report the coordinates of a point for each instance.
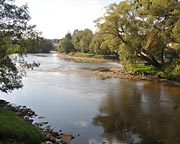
(141, 29)
(65, 45)
(46, 45)
(13, 28)
(38, 45)
(98, 46)
(82, 39)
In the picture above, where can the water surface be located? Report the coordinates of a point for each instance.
(112, 110)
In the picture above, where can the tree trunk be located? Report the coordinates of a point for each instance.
(150, 60)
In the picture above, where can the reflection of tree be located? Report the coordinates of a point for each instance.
(125, 114)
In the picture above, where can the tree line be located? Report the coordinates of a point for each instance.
(38, 45)
(83, 41)
(135, 30)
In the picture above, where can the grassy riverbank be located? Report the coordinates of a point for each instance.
(165, 72)
(15, 130)
(17, 127)
(87, 58)
(90, 55)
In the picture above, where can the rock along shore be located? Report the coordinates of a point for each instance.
(50, 136)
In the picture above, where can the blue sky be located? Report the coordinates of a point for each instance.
(54, 18)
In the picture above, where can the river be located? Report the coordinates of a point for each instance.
(113, 110)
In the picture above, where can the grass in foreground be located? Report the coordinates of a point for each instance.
(15, 130)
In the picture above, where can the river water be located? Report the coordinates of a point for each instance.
(116, 111)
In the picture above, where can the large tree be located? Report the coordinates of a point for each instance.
(13, 28)
(141, 29)
(98, 46)
(82, 39)
(38, 45)
(46, 45)
(65, 45)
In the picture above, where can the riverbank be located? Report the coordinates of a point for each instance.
(18, 127)
(104, 73)
(118, 72)
(84, 58)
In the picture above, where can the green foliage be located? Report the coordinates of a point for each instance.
(82, 39)
(15, 129)
(142, 69)
(65, 45)
(172, 70)
(39, 45)
(138, 32)
(14, 34)
(177, 69)
(84, 54)
(80, 54)
(169, 71)
(46, 46)
(141, 29)
(91, 55)
(98, 45)
(32, 42)
(10, 77)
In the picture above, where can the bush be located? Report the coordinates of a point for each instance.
(177, 69)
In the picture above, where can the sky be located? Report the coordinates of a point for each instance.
(55, 18)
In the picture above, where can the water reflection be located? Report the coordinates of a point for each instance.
(81, 124)
(140, 112)
(122, 111)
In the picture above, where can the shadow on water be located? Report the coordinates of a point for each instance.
(140, 112)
